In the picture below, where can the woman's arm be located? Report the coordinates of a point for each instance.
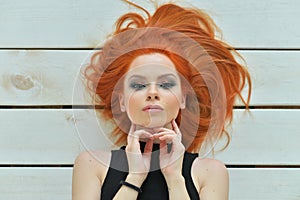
(86, 183)
(138, 163)
(171, 162)
(214, 179)
(177, 188)
(128, 193)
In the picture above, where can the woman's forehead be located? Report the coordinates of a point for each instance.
(154, 59)
(157, 65)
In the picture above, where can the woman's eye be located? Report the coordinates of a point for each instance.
(167, 85)
(137, 86)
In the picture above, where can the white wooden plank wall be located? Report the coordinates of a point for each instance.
(43, 43)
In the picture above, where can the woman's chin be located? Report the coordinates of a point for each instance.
(152, 125)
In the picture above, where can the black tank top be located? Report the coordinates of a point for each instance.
(154, 186)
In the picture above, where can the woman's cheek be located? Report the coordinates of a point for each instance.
(173, 106)
(134, 108)
(172, 113)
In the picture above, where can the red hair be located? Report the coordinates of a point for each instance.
(166, 32)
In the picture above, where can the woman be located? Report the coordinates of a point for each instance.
(168, 85)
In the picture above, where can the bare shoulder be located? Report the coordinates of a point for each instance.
(95, 162)
(212, 178)
(89, 171)
(210, 166)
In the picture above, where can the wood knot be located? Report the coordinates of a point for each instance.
(22, 82)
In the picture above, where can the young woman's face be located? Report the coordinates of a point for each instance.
(152, 94)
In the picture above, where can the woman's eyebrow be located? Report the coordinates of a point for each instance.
(165, 75)
(145, 77)
(137, 76)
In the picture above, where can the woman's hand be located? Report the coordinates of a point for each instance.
(170, 163)
(138, 163)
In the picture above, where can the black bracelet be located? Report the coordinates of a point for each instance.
(131, 186)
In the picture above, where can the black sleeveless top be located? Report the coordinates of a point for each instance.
(154, 186)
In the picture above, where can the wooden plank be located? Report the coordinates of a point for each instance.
(48, 77)
(31, 136)
(55, 183)
(76, 24)
(26, 183)
(256, 24)
(39, 77)
(275, 76)
(262, 184)
(37, 137)
(266, 137)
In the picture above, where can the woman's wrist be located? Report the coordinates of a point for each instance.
(175, 181)
(136, 179)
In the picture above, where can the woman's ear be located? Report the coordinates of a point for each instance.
(183, 100)
(122, 104)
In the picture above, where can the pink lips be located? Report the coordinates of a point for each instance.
(152, 108)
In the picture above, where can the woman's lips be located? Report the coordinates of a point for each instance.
(152, 108)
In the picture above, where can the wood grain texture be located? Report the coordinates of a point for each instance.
(28, 183)
(38, 77)
(262, 184)
(37, 137)
(267, 137)
(76, 24)
(55, 183)
(48, 77)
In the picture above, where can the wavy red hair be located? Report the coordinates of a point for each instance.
(109, 65)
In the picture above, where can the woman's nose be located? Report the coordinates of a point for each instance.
(152, 93)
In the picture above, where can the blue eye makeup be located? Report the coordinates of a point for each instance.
(164, 82)
(167, 84)
(137, 86)
(140, 86)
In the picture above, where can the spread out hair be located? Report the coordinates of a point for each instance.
(165, 32)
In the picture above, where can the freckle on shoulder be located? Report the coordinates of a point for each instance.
(93, 158)
(209, 170)
(208, 165)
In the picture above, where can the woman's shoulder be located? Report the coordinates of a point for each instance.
(209, 165)
(93, 162)
(88, 174)
(210, 173)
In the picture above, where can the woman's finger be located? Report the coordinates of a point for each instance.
(163, 147)
(130, 134)
(148, 146)
(132, 128)
(133, 144)
(168, 139)
(137, 135)
(159, 130)
(134, 137)
(175, 127)
(168, 135)
(156, 135)
(138, 162)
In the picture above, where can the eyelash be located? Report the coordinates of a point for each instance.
(167, 85)
(137, 86)
(164, 85)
